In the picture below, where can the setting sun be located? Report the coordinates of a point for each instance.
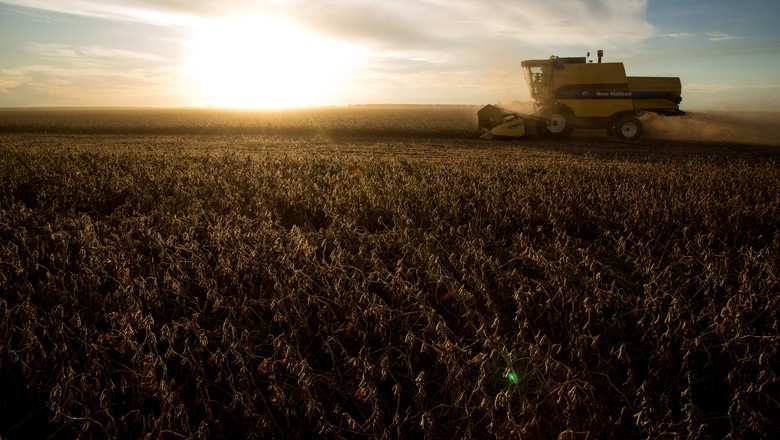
(259, 62)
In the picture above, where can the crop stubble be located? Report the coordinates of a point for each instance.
(254, 286)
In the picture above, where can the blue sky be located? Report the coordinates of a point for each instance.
(277, 53)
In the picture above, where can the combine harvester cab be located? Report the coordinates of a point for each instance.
(571, 93)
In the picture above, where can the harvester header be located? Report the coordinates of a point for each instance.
(572, 93)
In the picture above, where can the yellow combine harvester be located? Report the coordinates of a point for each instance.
(573, 93)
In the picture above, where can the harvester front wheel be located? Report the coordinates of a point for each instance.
(628, 128)
(557, 124)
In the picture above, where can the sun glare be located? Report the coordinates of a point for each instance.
(263, 62)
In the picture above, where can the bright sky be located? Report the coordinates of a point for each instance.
(292, 53)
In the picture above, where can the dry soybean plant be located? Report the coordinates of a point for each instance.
(172, 293)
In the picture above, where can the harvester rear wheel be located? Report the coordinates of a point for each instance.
(628, 128)
(557, 124)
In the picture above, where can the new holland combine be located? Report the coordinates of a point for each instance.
(571, 93)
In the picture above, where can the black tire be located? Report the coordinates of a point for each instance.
(557, 124)
(628, 128)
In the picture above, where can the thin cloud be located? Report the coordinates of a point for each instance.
(677, 35)
(408, 23)
(23, 95)
(131, 11)
(720, 36)
(53, 50)
(93, 51)
(417, 23)
(65, 86)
